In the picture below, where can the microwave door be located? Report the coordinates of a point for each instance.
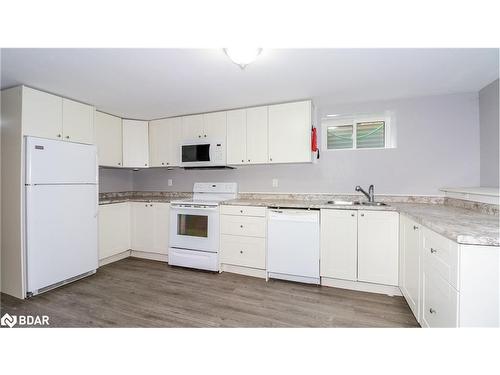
(195, 154)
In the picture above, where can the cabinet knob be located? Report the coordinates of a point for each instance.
(433, 251)
(205, 135)
(168, 163)
(59, 136)
(415, 227)
(352, 215)
(145, 164)
(119, 163)
(67, 137)
(248, 160)
(241, 211)
(145, 205)
(199, 136)
(270, 159)
(241, 251)
(432, 311)
(362, 214)
(241, 226)
(242, 160)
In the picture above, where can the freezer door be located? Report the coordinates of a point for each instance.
(61, 233)
(59, 162)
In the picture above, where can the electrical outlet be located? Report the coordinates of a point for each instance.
(275, 182)
(169, 182)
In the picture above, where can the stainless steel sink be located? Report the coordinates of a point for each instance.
(373, 204)
(343, 203)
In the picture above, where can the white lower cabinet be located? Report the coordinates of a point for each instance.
(339, 244)
(439, 302)
(114, 229)
(243, 239)
(360, 246)
(378, 247)
(150, 227)
(410, 263)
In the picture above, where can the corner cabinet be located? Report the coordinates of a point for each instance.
(164, 142)
(135, 143)
(108, 131)
(290, 132)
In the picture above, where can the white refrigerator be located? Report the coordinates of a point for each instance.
(61, 205)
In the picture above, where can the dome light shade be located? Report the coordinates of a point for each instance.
(242, 56)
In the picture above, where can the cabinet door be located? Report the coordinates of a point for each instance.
(236, 137)
(410, 263)
(78, 122)
(108, 130)
(339, 244)
(214, 126)
(142, 226)
(135, 143)
(378, 247)
(114, 229)
(41, 114)
(192, 128)
(161, 221)
(439, 301)
(290, 132)
(174, 143)
(159, 143)
(257, 133)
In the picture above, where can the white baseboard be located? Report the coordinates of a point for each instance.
(361, 286)
(114, 258)
(148, 255)
(247, 271)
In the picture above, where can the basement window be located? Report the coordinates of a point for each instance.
(357, 132)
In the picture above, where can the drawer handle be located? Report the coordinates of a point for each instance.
(432, 311)
(415, 227)
(433, 251)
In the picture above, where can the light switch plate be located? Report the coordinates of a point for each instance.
(275, 182)
(169, 182)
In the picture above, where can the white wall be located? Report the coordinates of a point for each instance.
(437, 146)
(111, 180)
(489, 134)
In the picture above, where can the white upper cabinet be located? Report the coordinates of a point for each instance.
(164, 142)
(41, 114)
(378, 243)
(247, 136)
(108, 131)
(78, 122)
(207, 126)
(214, 126)
(236, 136)
(49, 116)
(257, 135)
(339, 244)
(192, 128)
(135, 143)
(290, 132)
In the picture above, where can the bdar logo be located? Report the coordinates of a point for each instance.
(8, 320)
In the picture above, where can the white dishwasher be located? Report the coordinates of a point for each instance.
(293, 245)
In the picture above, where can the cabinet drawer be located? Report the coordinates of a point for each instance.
(243, 225)
(440, 301)
(441, 254)
(243, 251)
(243, 210)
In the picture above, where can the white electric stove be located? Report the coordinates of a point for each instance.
(194, 226)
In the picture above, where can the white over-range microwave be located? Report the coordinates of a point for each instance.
(203, 154)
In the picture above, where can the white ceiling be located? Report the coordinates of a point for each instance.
(154, 83)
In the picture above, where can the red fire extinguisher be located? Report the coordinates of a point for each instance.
(314, 141)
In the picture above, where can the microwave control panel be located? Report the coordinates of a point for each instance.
(218, 153)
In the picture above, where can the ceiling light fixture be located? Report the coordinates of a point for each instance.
(242, 56)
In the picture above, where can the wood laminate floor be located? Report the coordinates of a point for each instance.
(142, 293)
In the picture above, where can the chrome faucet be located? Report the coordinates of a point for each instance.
(369, 195)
